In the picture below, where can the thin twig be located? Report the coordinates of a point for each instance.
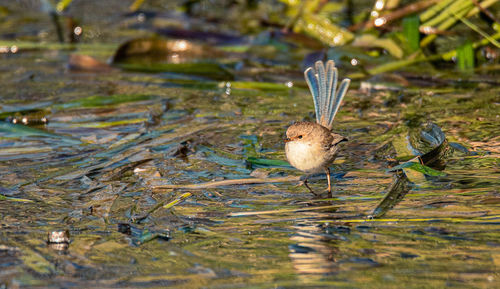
(207, 185)
(397, 14)
(478, 30)
(308, 209)
(485, 4)
(2, 197)
(485, 11)
(482, 219)
(139, 218)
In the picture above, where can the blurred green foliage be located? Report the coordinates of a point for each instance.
(391, 35)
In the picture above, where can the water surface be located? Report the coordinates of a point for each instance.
(113, 137)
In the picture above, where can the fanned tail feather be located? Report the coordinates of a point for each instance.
(323, 86)
(339, 96)
(331, 77)
(320, 74)
(312, 82)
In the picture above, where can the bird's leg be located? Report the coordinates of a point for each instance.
(327, 170)
(307, 186)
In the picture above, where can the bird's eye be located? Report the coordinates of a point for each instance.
(299, 136)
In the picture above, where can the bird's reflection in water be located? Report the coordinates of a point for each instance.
(314, 251)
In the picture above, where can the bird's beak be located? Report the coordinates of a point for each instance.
(286, 140)
(341, 140)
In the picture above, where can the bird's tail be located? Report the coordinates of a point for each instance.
(323, 85)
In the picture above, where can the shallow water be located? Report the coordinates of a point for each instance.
(96, 163)
(113, 137)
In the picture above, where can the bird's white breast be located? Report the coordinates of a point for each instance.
(305, 156)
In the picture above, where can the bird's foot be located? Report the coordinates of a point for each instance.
(304, 183)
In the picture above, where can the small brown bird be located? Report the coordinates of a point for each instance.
(312, 147)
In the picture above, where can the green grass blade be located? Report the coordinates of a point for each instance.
(411, 32)
(465, 57)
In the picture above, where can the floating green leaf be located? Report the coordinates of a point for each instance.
(417, 167)
(267, 162)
